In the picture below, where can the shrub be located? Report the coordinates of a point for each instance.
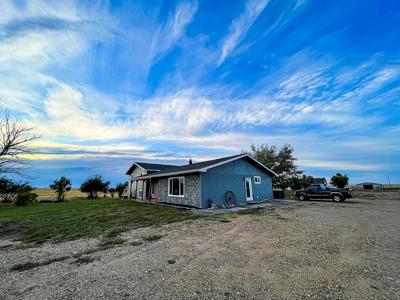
(8, 190)
(25, 197)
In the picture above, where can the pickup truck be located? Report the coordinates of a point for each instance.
(321, 191)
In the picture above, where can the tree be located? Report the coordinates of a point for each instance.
(120, 188)
(112, 192)
(94, 185)
(300, 182)
(281, 161)
(339, 180)
(60, 187)
(8, 189)
(15, 141)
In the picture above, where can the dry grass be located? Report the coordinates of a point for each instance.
(46, 194)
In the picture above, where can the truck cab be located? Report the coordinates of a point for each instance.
(321, 191)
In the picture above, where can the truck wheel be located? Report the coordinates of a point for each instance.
(337, 198)
(301, 197)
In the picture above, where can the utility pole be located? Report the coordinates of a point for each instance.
(388, 180)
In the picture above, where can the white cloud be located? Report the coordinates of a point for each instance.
(241, 25)
(340, 165)
(168, 34)
(32, 43)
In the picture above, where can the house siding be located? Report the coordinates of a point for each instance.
(140, 185)
(191, 194)
(230, 177)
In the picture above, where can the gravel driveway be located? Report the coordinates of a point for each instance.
(305, 250)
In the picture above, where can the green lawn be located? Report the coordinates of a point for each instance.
(55, 222)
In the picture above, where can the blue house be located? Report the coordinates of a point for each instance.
(232, 180)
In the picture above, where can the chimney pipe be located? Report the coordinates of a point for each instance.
(190, 161)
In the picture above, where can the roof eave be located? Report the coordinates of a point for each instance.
(240, 157)
(135, 164)
(168, 174)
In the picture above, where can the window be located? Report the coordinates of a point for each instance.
(257, 179)
(176, 186)
(315, 188)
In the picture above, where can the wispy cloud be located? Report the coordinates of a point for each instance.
(104, 81)
(240, 26)
(173, 29)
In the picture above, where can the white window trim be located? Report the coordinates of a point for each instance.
(259, 179)
(169, 185)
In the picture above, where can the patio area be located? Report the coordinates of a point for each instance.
(266, 204)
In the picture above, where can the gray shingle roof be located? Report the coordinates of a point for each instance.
(196, 167)
(150, 167)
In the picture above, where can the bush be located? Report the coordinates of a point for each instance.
(25, 197)
(19, 193)
(8, 190)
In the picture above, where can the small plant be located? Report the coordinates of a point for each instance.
(153, 237)
(60, 187)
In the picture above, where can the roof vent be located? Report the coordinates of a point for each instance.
(190, 161)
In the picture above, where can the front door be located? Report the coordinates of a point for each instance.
(248, 189)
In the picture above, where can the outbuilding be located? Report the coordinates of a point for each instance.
(369, 186)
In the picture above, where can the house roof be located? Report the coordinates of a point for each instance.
(203, 166)
(374, 183)
(150, 167)
(319, 180)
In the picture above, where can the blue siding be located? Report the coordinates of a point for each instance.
(230, 177)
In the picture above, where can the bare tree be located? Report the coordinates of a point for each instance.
(15, 144)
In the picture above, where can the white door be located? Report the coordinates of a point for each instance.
(248, 189)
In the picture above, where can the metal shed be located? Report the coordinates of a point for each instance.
(369, 186)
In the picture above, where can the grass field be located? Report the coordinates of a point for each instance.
(37, 223)
(49, 195)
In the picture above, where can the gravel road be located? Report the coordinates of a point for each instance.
(313, 250)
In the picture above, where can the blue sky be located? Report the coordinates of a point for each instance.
(108, 83)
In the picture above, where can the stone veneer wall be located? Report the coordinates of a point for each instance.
(191, 194)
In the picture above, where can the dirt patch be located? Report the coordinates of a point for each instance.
(313, 250)
(13, 229)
